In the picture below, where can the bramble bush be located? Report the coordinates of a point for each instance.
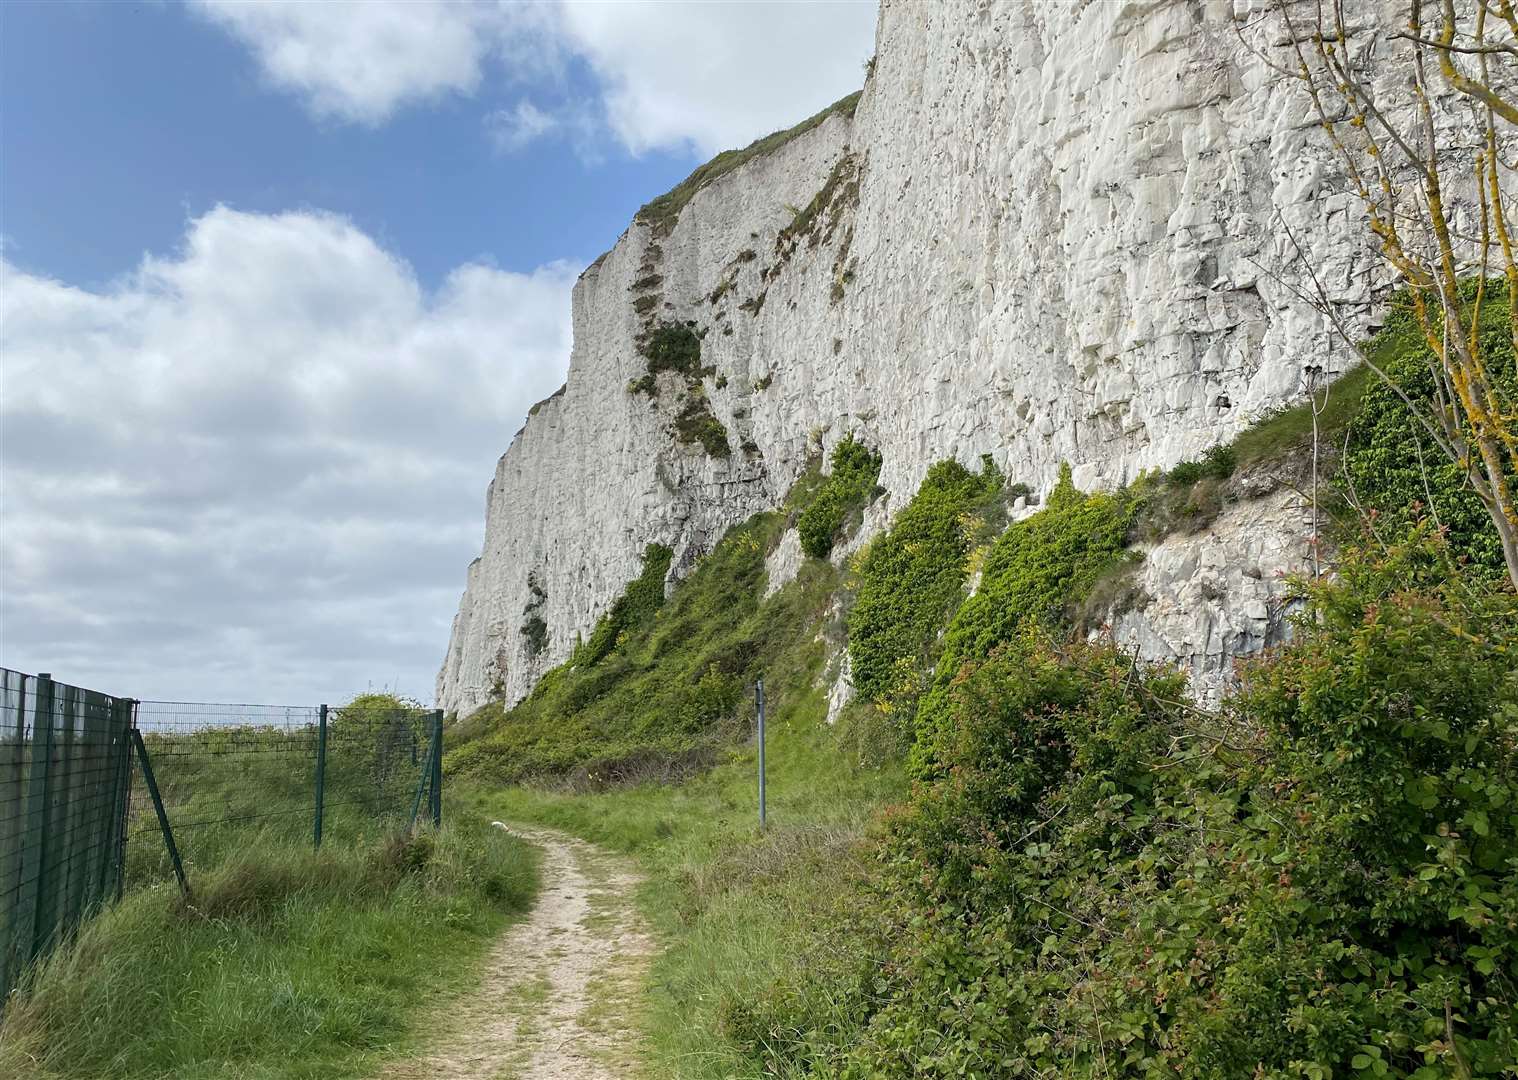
(1393, 466)
(1097, 879)
(848, 488)
(1039, 569)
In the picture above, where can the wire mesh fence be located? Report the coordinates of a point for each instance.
(99, 793)
(233, 775)
(64, 778)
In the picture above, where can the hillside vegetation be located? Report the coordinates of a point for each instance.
(1084, 874)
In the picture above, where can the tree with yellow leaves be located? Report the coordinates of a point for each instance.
(1431, 159)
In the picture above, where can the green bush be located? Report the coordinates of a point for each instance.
(673, 346)
(848, 489)
(696, 423)
(1217, 463)
(1040, 569)
(1097, 879)
(912, 578)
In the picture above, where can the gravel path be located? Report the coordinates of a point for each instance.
(558, 991)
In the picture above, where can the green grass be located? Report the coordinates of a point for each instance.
(284, 963)
(665, 210)
(731, 904)
(672, 688)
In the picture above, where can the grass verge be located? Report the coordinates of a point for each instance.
(731, 904)
(286, 962)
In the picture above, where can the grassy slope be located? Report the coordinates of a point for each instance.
(663, 211)
(731, 902)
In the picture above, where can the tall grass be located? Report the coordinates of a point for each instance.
(285, 961)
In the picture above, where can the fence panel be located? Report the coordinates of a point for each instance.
(63, 789)
(235, 775)
(229, 776)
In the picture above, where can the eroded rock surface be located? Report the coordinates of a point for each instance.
(1049, 232)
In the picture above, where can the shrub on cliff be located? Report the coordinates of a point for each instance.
(1393, 466)
(912, 578)
(1038, 570)
(848, 489)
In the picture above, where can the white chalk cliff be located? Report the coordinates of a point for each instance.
(1050, 231)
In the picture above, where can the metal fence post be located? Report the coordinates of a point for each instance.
(34, 847)
(122, 722)
(423, 779)
(759, 702)
(13, 939)
(163, 817)
(321, 770)
(437, 768)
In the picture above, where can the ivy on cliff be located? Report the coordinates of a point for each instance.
(848, 489)
(912, 577)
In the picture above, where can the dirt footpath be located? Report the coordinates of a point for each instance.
(558, 994)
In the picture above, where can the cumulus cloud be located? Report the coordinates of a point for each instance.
(717, 76)
(360, 60)
(257, 466)
(709, 76)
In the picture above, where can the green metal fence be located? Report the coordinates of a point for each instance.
(228, 776)
(100, 793)
(64, 781)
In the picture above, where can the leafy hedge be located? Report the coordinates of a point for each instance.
(848, 489)
(1098, 880)
(912, 578)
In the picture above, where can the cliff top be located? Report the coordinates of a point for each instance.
(662, 212)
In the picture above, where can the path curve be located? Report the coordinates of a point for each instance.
(559, 991)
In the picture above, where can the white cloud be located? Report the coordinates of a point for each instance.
(515, 129)
(709, 75)
(719, 75)
(257, 465)
(360, 60)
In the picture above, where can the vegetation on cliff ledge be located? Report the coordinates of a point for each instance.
(663, 212)
(842, 497)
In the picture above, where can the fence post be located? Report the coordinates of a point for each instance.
(13, 836)
(424, 777)
(113, 868)
(29, 913)
(163, 817)
(436, 805)
(759, 702)
(321, 770)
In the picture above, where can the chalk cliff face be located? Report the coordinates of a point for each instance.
(1049, 231)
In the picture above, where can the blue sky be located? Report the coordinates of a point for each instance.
(279, 280)
(162, 115)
